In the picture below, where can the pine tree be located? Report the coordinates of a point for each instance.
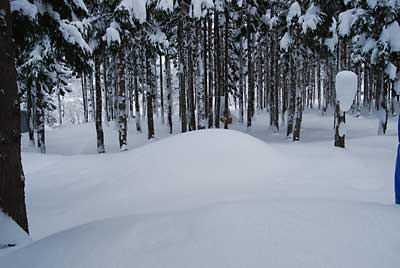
(12, 179)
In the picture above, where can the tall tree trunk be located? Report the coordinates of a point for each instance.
(299, 101)
(226, 78)
(122, 117)
(340, 121)
(40, 125)
(274, 111)
(92, 103)
(383, 106)
(149, 96)
(99, 106)
(30, 114)
(190, 93)
(161, 91)
(250, 67)
(241, 82)
(210, 74)
(136, 85)
(105, 80)
(218, 77)
(169, 90)
(319, 83)
(84, 98)
(292, 96)
(201, 85)
(12, 180)
(59, 103)
(205, 71)
(182, 82)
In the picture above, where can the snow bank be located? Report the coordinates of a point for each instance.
(11, 233)
(215, 198)
(275, 233)
(346, 88)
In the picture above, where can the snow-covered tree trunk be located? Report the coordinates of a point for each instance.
(340, 121)
(12, 180)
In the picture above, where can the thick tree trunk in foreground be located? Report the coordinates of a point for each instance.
(99, 119)
(12, 180)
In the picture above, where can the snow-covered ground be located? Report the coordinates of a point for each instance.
(213, 198)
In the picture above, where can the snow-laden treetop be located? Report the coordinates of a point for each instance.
(346, 88)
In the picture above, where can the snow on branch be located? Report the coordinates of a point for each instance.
(24, 8)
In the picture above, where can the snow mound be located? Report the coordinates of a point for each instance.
(274, 233)
(183, 171)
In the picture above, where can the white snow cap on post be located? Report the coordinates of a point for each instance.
(346, 88)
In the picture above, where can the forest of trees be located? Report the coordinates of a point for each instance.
(138, 59)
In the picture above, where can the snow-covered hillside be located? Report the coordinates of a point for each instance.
(214, 198)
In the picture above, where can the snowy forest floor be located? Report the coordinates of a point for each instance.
(213, 198)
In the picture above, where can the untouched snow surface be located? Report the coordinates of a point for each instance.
(214, 198)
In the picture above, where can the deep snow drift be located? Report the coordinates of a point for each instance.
(215, 198)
